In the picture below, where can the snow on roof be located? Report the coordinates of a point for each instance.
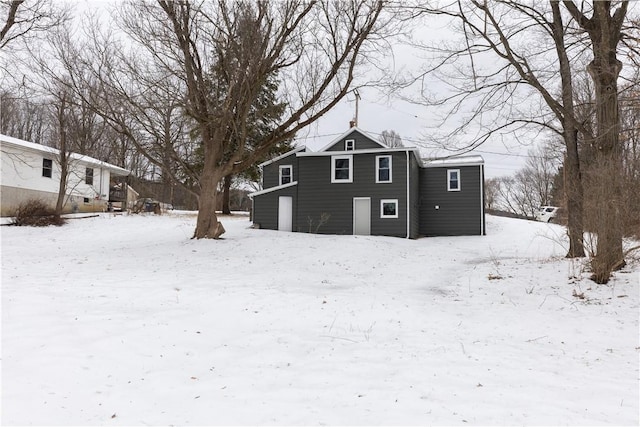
(282, 156)
(5, 139)
(454, 161)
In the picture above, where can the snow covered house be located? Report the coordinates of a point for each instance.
(32, 171)
(357, 185)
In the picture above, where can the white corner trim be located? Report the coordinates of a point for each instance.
(408, 198)
(481, 200)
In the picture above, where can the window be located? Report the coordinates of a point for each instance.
(285, 174)
(341, 169)
(349, 144)
(47, 168)
(389, 208)
(86, 200)
(383, 168)
(453, 180)
(88, 177)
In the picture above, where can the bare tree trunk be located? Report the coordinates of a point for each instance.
(207, 225)
(572, 176)
(604, 30)
(63, 157)
(608, 164)
(574, 192)
(226, 190)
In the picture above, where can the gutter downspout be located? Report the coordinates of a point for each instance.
(408, 195)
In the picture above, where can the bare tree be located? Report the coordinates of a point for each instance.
(61, 132)
(391, 138)
(508, 85)
(313, 47)
(22, 116)
(530, 187)
(23, 18)
(541, 168)
(491, 193)
(630, 138)
(604, 28)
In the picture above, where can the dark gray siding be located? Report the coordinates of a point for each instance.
(460, 212)
(265, 208)
(271, 172)
(317, 195)
(362, 142)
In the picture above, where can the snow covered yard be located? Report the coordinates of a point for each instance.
(123, 320)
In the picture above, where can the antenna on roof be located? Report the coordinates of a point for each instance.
(355, 119)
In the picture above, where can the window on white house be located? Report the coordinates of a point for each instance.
(389, 208)
(285, 174)
(349, 144)
(342, 169)
(383, 168)
(453, 180)
(88, 176)
(47, 168)
(86, 200)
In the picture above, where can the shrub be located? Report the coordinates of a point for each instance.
(36, 213)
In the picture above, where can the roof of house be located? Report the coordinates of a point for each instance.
(453, 161)
(16, 142)
(303, 151)
(282, 156)
(342, 136)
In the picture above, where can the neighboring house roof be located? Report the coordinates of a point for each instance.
(282, 156)
(453, 161)
(341, 137)
(9, 140)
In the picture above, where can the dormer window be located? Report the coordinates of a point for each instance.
(349, 144)
(286, 174)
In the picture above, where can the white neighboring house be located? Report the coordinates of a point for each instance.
(32, 171)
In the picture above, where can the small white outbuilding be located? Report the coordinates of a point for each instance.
(32, 171)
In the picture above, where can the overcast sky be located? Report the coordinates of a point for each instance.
(378, 113)
(410, 122)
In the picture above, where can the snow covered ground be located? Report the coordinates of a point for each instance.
(123, 320)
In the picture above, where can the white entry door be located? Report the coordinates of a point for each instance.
(362, 216)
(285, 213)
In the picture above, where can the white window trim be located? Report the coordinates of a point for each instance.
(378, 169)
(449, 172)
(280, 174)
(346, 144)
(382, 203)
(333, 169)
